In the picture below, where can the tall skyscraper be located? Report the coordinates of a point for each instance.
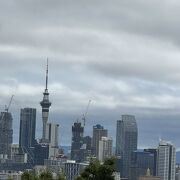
(166, 161)
(105, 148)
(45, 104)
(6, 133)
(27, 129)
(126, 141)
(77, 141)
(52, 135)
(98, 133)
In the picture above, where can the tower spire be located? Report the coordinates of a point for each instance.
(45, 104)
(47, 75)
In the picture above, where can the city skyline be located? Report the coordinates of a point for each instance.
(124, 56)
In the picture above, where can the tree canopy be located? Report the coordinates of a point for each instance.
(98, 171)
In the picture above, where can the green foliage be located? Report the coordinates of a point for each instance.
(97, 171)
(27, 176)
(32, 176)
(47, 175)
(9, 178)
(61, 177)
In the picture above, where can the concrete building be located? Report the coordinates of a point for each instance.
(73, 169)
(105, 148)
(117, 176)
(6, 133)
(77, 141)
(55, 165)
(126, 142)
(14, 150)
(27, 129)
(166, 161)
(98, 133)
(52, 135)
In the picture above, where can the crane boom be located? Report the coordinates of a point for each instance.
(7, 108)
(85, 114)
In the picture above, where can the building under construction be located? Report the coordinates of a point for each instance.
(6, 134)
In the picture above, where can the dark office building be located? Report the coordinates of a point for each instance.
(98, 133)
(126, 141)
(41, 152)
(154, 152)
(77, 141)
(87, 140)
(141, 161)
(27, 129)
(6, 133)
(85, 150)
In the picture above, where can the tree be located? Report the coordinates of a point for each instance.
(98, 171)
(46, 175)
(61, 176)
(29, 175)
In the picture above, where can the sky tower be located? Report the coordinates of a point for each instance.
(45, 104)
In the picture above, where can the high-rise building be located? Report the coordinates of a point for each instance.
(140, 162)
(126, 141)
(77, 141)
(105, 148)
(6, 133)
(98, 133)
(27, 129)
(45, 104)
(52, 135)
(166, 161)
(154, 152)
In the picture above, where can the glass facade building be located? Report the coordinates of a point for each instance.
(27, 129)
(6, 133)
(126, 142)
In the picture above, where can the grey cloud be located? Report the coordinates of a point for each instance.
(124, 55)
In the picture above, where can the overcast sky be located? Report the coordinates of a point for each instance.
(124, 55)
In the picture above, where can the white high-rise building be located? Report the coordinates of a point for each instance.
(105, 148)
(52, 135)
(166, 161)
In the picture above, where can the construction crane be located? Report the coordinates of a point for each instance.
(7, 107)
(85, 114)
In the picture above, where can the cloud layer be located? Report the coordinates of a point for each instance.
(123, 55)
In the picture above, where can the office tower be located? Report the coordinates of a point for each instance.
(154, 152)
(27, 129)
(140, 162)
(52, 135)
(87, 140)
(85, 150)
(77, 141)
(105, 148)
(6, 133)
(126, 141)
(98, 133)
(166, 161)
(45, 104)
(41, 152)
